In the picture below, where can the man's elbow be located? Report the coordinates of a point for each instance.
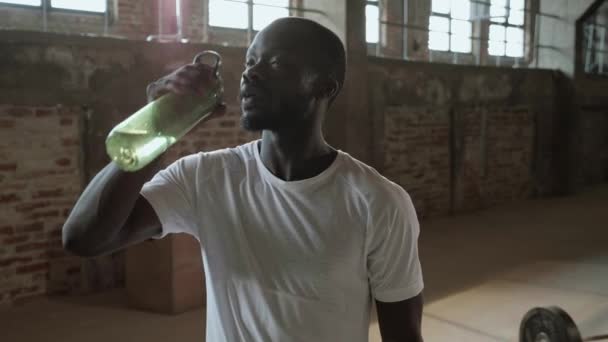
(75, 244)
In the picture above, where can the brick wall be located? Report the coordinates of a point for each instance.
(99, 82)
(134, 19)
(494, 157)
(39, 183)
(416, 155)
(459, 138)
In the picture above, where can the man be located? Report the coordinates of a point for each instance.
(296, 236)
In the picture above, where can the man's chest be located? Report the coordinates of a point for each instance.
(300, 243)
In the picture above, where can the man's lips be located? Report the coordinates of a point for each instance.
(252, 92)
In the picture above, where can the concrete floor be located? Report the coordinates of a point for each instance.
(483, 271)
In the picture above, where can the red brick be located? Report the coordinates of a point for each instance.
(73, 270)
(13, 260)
(53, 254)
(65, 121)
(8, 167)
(19, 111)
(48, 193)
(42, 266)
(43, 214)
(8, 198)
(30, 227)
(7, 230)
(227, 124)
(15, 239)
(32, 246)
(66, 212)
(54, 234)
(63, 161)
(7, 123)
(23, 290)
(41, 112)
(69, 142)
(27, 207)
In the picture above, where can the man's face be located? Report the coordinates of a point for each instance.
(278, 82)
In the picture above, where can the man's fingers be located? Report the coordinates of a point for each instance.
(177, 88)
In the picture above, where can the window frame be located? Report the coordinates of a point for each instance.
(589, 19)
(9, 4)
(46, 5)
(449, 17)
(506, 25)
(50, 7)
(250, 17)
(378, 5)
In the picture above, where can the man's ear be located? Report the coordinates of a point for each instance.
(328, 87)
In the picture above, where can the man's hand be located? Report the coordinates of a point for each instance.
(188, 79)
(400, 321)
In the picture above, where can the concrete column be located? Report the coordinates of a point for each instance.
(392, 34)
(357, 121)
(348, 125)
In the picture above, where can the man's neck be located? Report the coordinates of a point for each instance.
(296, 155)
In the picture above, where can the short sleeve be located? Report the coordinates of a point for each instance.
(171, 193)
(393, 265)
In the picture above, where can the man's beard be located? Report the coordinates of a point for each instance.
(256, 123)
(275, 119)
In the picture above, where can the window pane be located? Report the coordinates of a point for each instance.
(79, 5)
(461, 28)
(515, 49)
(460, 44)
(281, 3)
(497, 33)
(371, 24)
(264, 15)
(516, 17)
(439, 24)
(439, 41)
(517, 4)
(496, 48)
(228, 14)
(461, 9)
(501, 3)
(515, 35)
(497, 14)
(23, 2)
(441, 6)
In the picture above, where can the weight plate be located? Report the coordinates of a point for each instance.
(550, 324)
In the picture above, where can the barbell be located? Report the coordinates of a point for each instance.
(551, 324)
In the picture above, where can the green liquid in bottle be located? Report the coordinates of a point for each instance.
(131, 149)
(145, 135)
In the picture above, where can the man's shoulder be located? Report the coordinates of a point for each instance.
(370, 183)
(224, 159)
(240, 153)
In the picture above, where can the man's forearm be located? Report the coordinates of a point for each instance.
(104, 206)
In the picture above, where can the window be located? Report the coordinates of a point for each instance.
(22, 2)
(449, 26)
(595, 40)
(235, 13)
(506, 36)
(372, 18)
(79, 5)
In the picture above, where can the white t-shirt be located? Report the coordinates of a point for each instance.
(290, 261)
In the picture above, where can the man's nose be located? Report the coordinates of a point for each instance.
(253, 74)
